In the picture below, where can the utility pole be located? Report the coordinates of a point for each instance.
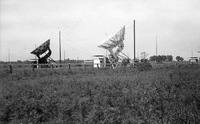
(106, 49)
(134, 37)
(64, 55)
(60, 46)
(8, 55)
(0, 51)
(156, 47)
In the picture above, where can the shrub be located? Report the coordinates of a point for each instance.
(144, 66)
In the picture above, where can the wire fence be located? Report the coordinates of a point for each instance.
(33, 67)
(71, 66)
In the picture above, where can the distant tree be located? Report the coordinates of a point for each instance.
(2, 62)
(159, 59)
(144, 60)
(153, 58)
(163, 57)
(178, 58)
(169, 57)
(19, 61)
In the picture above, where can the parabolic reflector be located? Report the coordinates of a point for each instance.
(113, 41)
(42, 48)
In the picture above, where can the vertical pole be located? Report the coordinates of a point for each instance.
(84, 66)
(33, 68)
(9, 55)
(106, 49)
(10, 66)
(156, 47)
(64, 55)
(60, 46)
(52, 66)
(134, 37)
(0, 51)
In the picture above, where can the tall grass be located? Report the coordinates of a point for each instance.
(121, 96)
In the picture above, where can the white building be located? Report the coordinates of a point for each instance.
(194, 60)
(100, 61)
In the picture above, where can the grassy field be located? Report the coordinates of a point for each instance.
(167, 95)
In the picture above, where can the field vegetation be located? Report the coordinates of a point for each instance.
(167, 95)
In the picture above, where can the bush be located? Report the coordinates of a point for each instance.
(144, 66)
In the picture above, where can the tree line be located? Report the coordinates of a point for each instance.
(161, 58)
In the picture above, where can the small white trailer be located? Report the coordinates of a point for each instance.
(100, 61)
(194, 60)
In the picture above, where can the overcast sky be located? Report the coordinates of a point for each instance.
(85, 23)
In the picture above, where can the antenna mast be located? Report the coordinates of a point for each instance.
(9, 55)
(156, 47)
(60, 46)
(106, 49)
(134, 37)
(64, 55)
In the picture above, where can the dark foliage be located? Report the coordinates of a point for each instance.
(125, 96)
(143, 66)
(178, 58)
(161, 58)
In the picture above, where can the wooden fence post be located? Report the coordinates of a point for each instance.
(69, 66)
(84, 66)
(10, 66)
(33, 67)
(52, 66)
(79, 65)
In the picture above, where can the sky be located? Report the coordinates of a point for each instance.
(25, 24)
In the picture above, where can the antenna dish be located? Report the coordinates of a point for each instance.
(42, 48)
(113, 41)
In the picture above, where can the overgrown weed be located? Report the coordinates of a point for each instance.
(168, 95)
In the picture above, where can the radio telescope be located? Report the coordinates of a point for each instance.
(115, 42)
